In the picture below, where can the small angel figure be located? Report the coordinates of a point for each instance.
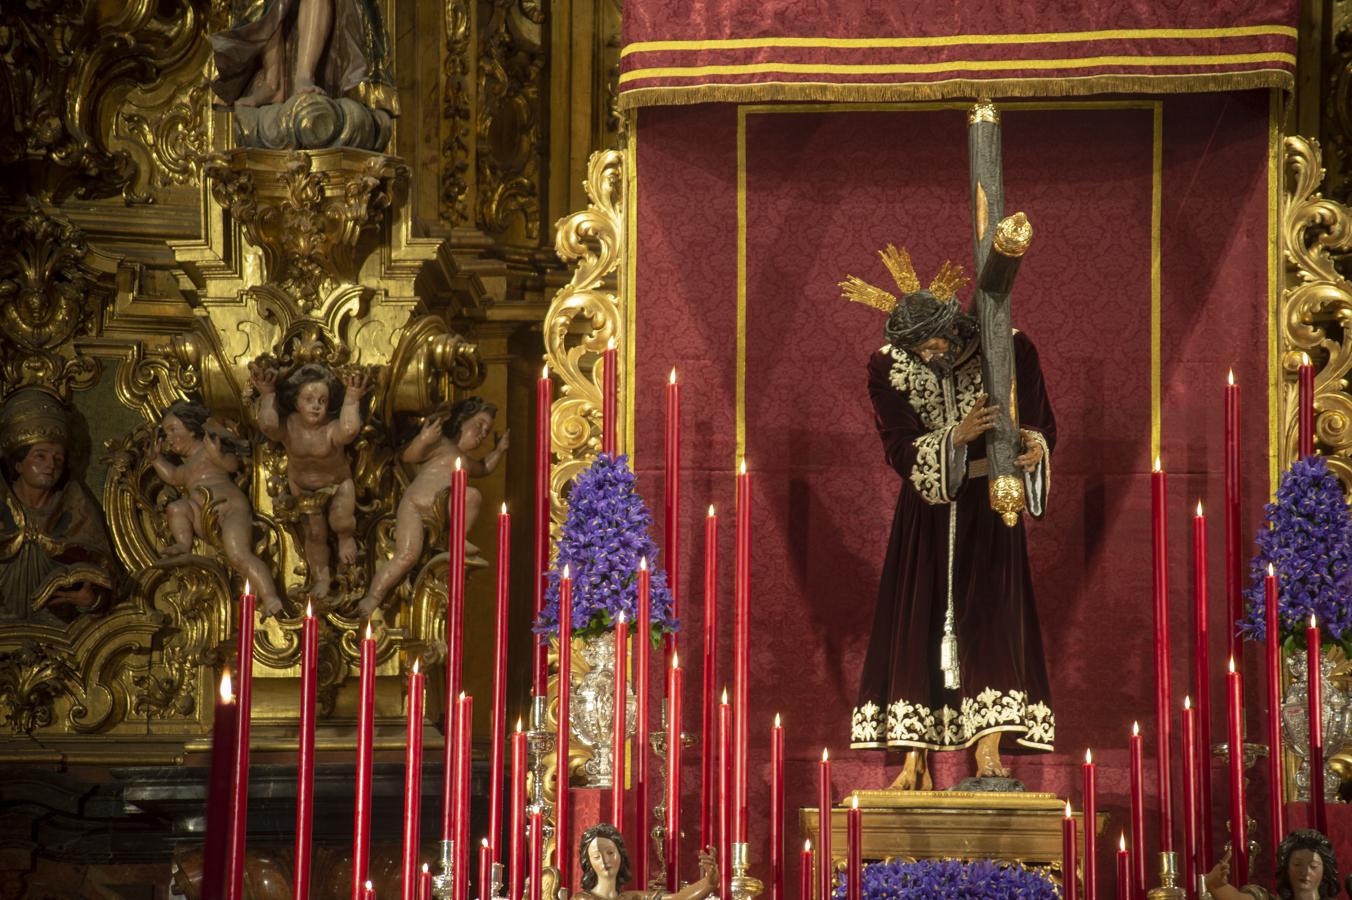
(210, 455)
(315, 415)
(449, 433)
(605, 867)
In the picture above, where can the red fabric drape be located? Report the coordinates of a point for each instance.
(696, 51)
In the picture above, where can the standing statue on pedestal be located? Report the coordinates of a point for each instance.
(605, 866)
(955, 656)
(211, 506)
(55, 558)
(314, 415)
(448, 434)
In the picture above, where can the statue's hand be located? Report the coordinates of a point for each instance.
(1031, 456)
(431, 428)
(976, 423)
(1219, 876)
(263, 378)
(708, 868)
(356, 381)
(155, 442)
(503, 441)
(82, 597)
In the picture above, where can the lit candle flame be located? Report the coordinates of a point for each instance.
(1314, 623)
(309, 610)
(673, 374)
(675, 660)
(369, 886)
(1230, 378)
(504, 507)
(368, 629)
(1068, 809)
(826, 754)
(621, 619)
(483, 842)
(854, 802)
(643, 563)
(1271, 572)
(457, 464)
(742, 468)
(1305, 359)
(1088, 757)
(725, 696)
(518, 726)
(807, 846)
(1157, 464)
(227, 689)
(777, 725)
(544, 373)
(462, 697)
(1187, 702)
(610, 343)
(417, 665)
(425, 869)
(247, 589)
(1199, 509)
(1232, 665)
(1135, 729)
(1121, 843)
(711, 511)
(565, 571)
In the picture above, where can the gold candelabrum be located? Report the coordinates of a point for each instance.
(743, 885)
(1169, 888)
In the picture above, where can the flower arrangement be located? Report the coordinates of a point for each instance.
(1307, 539)
(605, 534)
(953, 879)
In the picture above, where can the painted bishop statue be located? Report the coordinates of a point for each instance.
(955, 656)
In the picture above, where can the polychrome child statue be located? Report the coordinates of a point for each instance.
(605, 869)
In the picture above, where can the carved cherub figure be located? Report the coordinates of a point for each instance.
(448, 434)
(210, 456)
(315, 415)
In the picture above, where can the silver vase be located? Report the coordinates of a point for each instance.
(592, 710)
(1336, 713)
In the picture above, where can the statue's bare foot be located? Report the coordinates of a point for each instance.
(347, 550)
(914, 775)
(321, 587)
(175, 550)
(272, 606)
(367, 607)
(306, 86)
(263, 94)
(987, 757)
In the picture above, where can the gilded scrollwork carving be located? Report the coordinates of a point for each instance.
(511, 62)
(304, 210)
(51, 288)
(167, 132)
(65, 62)
(458, 113)
(1315, 307)
(32, 677)
(582, 318)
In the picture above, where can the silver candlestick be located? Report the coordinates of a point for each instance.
(540, 743)
(443, 883)
(495, 891)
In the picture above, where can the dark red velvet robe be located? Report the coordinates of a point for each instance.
(903, 703)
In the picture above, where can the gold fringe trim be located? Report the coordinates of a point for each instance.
(956, 88)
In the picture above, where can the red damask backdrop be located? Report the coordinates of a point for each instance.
(825, 188)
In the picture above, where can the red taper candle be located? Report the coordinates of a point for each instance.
(675, 708)
(498, 736)
(537, 853)
(239, 804)
(464, 738)
(224, 724)
(361, 811)
(706, 767)
(1201, 676)
(617, 723)
(562, 837)
(1314, 654)
(824, 825)
(455, 628)
(516, 870)
(413, 749)
(671, 510)
(368, 891)
(805, 872)
(1273, 646)
(741, 653)
(777, 810)
(1234, 565)
(1069, 856)
(1090, 797)
(1192, 824)
(725, 794)
(1306, 404)
(642, 693)
(305, 767)
(544, 403)
(1163, 706)
(425, 883)
(1136, 745)
(1239, 838)
(485, 870)
(1124, 887)
(854, 834)
(609, 398)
